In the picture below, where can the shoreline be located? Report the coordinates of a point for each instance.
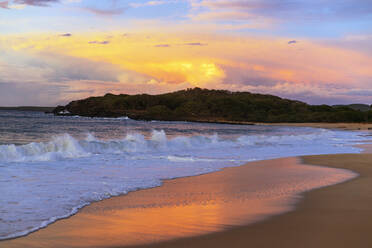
(334, 216)
(340, 125)
(326, 125)
(49, 233)
(337, 125)
(355, 126)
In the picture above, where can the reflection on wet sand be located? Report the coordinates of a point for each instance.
(187, 206)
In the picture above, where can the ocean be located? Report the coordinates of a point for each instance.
(51, 166)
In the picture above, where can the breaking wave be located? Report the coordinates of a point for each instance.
(67, 147)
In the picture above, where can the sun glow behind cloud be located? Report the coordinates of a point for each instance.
(212, 44)
(269, 65)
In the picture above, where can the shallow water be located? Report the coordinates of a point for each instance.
(188, 207)
(52, 166)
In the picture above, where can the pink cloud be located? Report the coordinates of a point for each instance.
(36, 2)
(105, 12)
(4, 4)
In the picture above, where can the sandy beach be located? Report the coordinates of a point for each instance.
(343, 126)
(335, 216)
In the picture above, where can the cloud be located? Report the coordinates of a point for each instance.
(47, 78)
(154, 3)
(61, 68)
(41, 3)
(283, 10)
(105, 12)
(308, 71)
(20, 4)
(292, 42)
(361, 92)
(4, 4)
(184, 44)
(247, 75)
(162, 45)
(247, 4)
(51, 67)
(361, 43)
(34, 93)
(312, 93)
(240, 9)
(105, 42)
(149, 3)
(66, 35)
(195, 44)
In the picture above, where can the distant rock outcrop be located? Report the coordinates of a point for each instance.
(211, 106)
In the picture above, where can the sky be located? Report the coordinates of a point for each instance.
(55, 51)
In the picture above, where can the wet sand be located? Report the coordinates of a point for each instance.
(367, 148)
(336, 216)
(217, 203)
(343, 126)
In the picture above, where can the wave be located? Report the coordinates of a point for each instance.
(60, 147)
(94, 118)
(65, 146)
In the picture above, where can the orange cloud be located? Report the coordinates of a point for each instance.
(221, 62)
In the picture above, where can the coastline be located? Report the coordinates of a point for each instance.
(335, 216)
(337, 125)
(342, 126)
(85, 223)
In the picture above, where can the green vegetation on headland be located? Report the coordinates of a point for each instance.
(29, 108)
(211, 106)
(360, 107)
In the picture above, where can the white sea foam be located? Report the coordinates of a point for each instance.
(67, 147)
(44, 181)
(60, 147)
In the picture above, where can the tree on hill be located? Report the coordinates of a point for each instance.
(212, 105)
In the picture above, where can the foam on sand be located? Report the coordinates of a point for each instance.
(190, 206)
